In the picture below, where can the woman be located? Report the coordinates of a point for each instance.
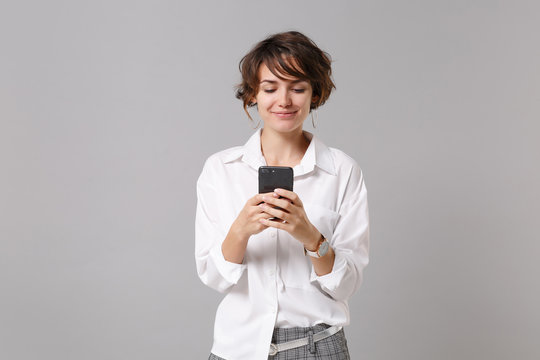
(291, 279)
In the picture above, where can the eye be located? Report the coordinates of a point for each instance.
(269, 91)
(299, 91)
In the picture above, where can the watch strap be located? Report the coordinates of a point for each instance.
(315, 253)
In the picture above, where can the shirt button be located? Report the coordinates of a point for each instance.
(271, 272)
(273, 234)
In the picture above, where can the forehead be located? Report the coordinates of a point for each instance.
(266, 74)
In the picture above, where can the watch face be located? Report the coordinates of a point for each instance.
(323, 249)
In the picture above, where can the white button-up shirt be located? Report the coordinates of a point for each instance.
(276, 285)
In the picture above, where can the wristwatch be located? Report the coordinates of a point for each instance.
(322, 248)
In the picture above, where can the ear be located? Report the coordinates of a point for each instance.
(315, 98)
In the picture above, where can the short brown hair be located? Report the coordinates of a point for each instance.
(287, 53)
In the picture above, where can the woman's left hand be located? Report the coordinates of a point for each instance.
(291, 217)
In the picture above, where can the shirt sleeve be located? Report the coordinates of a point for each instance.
(212, 268)
(350, 242)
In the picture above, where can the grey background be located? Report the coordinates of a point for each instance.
(108, 110)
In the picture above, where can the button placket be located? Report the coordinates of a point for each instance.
(270, 270)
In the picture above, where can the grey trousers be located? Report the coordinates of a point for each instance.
(331, 348)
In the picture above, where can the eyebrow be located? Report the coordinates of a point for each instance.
(274, 81)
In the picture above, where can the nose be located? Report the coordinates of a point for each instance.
(284, 98)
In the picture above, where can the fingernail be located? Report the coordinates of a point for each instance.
(277, 190)
(265, 198)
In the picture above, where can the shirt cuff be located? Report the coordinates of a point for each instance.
(230, 271)
(331, 281)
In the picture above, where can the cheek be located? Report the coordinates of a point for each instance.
(307, 102)
(262, 99)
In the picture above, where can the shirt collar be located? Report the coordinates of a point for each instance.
(317, 154)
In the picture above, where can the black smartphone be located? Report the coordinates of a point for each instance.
(272, 177)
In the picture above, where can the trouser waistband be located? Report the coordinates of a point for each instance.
(311, 339)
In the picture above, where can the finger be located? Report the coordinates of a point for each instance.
(255, 210)
(255, 200)
(292, 196)
(282, 203)
(274, 212)
(274, 224)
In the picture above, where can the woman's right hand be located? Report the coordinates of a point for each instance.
(246, 224)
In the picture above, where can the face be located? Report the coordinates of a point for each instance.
(283, 104)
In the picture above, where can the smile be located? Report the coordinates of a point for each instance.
(285, 114)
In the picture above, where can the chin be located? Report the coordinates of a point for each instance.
(285, 128)
(283, 125)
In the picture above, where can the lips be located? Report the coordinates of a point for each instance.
(285, 114)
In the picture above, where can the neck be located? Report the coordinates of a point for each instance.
(283, 149)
